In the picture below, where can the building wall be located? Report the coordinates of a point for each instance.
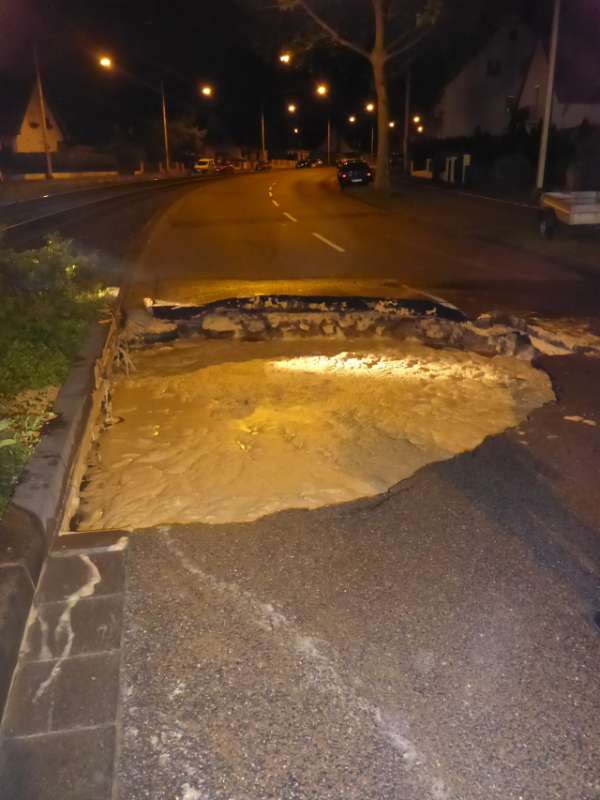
(478, 97)
(30, 137)
(533, 96)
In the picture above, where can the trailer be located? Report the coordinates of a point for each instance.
(568, 208)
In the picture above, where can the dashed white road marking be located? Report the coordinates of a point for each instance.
(289, 216)
(328, 242)
(275, 203)
(429, 296)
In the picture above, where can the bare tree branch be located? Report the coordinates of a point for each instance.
(395, 50)
(337, 37)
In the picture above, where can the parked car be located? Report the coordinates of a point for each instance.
(354, 171)
(225, 168)
(204, 166)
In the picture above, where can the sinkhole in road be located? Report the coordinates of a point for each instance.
(219, 431)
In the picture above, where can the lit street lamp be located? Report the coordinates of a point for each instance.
(206, 90)
(420, 129)
(370, 108)
(322, 91)
(106, 62)
(352, 119)
(292, 108)
(285, 58)
(296, 131)
(416, 119)
(392, 124)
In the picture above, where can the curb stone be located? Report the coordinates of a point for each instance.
(33, 518)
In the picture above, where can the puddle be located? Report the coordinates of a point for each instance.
(219, 431)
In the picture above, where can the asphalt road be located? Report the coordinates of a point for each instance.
(435, 643)
(293, 227)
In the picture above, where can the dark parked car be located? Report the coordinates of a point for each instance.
(354, 171)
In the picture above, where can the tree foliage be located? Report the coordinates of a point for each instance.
(379, 31)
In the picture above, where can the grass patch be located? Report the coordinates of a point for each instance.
(50, 296)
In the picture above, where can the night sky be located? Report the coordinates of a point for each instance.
(232, 44)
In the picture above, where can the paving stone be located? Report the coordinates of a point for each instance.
(96, 624)
(75, 765)
(16, 593)
(64, 576)
(22, 540)
(82, 693)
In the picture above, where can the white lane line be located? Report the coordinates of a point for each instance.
(331, 244)
(275, 203)
(289, 216)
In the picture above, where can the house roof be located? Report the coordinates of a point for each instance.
(14, 98)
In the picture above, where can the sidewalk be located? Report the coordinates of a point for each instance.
(514, 224)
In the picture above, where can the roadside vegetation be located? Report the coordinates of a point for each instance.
(49, 297)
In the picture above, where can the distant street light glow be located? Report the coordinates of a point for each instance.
(285, 58)
(420, 129)
(416, 119)
(292, 108)
(392, 124)
(207, 91)
(105, 62)
(370, 107)
(322, 90)
(352, 119)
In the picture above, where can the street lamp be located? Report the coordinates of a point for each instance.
(392, 124)
(370, 108)
(296, 131)
(420, 129)
(292, 108)
(206, 90)
(106, 62)
(352, 119)
(285, 58)
(322, 91)
(416, 119)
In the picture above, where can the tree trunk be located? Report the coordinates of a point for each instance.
(382, 167)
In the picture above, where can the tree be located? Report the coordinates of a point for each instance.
(394, 29)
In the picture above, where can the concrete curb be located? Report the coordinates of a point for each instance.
(33, 519)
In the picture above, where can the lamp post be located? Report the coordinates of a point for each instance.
(541, 170)
(322, 91)
(42, 108)
(370, 108)
(107, 63)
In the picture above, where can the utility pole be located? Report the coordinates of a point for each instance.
(328, 141)
(406, 119)
(541, 171)
(165, 127)
(263, 137)
(42, 107)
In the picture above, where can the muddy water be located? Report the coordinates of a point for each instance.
(216, 432)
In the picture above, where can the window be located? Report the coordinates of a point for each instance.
(494, 67)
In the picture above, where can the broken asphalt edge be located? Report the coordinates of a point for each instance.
(33, 518)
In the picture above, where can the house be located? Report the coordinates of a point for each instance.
(576, 84)
(486, 91)
(21, 122)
